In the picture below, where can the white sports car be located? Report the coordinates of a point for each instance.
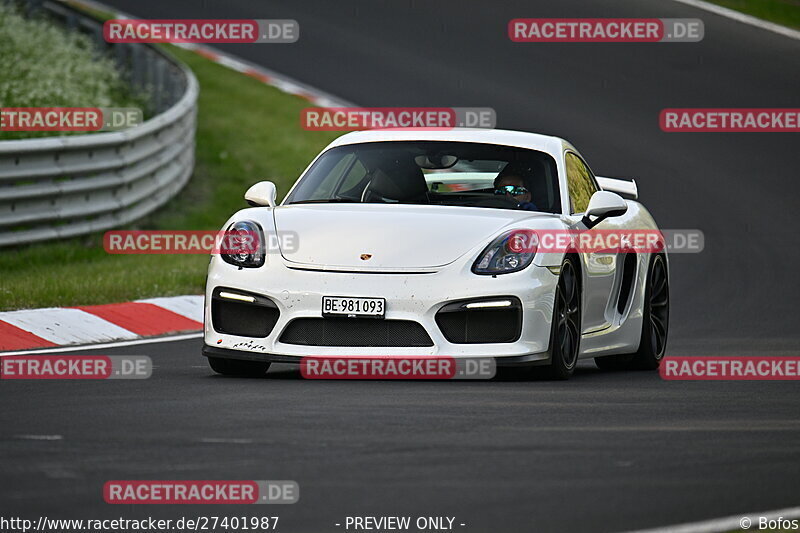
(403, 243)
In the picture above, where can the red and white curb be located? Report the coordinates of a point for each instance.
(32, 329)
(322, 99)
(264, 75)
(267, 77)
(90, 324)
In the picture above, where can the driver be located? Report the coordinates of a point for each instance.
(510, 183)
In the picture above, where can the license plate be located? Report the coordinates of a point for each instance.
(354, 307)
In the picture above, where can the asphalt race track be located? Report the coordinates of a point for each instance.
(601, 452)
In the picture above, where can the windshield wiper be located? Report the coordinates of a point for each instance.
(326, 201)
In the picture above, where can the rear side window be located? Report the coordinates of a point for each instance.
(580, 182)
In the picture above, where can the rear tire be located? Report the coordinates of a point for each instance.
(238, 367)
(565, 333)
(655, 323)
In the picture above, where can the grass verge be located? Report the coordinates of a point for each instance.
(786, 12)
(246, 132)
(44, 64)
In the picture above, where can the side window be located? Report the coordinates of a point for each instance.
(580, 182)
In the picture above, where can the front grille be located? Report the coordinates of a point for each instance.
(244, 319)
(462, 325)
(355, 332)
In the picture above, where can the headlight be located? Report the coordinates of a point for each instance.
(510, 252)
(244, 245)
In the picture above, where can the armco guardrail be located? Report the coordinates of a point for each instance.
(65, 186)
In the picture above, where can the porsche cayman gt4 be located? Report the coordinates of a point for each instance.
(432, 243)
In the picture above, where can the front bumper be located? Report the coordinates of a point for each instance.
(412, 297)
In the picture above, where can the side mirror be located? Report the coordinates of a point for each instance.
(602, 205)
(261, 194)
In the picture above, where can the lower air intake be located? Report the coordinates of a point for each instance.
(461, 324)
(241, 318)
(355, 332)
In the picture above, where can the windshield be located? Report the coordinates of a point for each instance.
(433, 173)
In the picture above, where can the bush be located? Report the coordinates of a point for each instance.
(43, 65)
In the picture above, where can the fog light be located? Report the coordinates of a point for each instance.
(234, 296)
(495, 303)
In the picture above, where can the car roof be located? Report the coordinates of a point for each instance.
(521, 139)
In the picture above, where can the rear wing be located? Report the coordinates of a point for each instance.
(625, 187)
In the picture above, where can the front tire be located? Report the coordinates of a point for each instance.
(565, 333)
(238, 367)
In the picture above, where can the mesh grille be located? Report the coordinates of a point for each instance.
(480, 326)
(356, 332)
(242, 319)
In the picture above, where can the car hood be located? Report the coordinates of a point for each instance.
(395, 237)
